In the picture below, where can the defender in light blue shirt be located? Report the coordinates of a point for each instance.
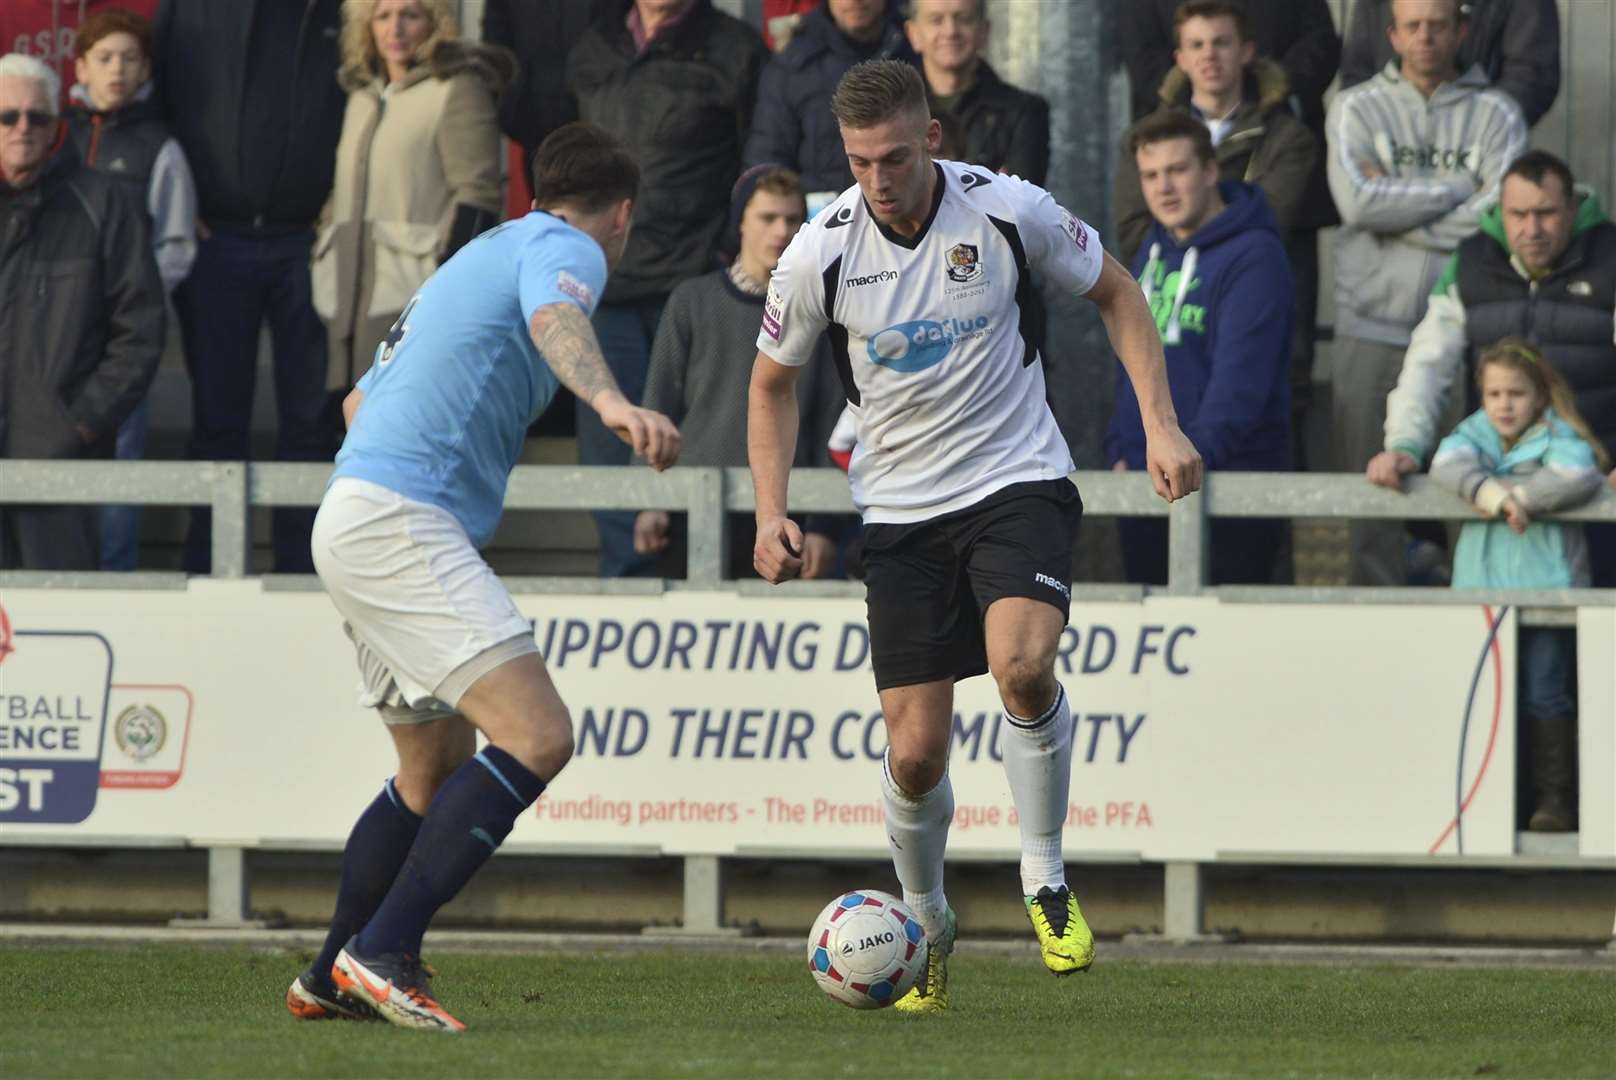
(444, 653)
(458, 381)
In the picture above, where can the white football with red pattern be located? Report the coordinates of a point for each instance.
(867, 949)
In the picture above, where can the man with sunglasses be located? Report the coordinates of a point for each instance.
(81, 328)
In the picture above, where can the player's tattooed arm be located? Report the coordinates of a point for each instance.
(567, 342)
(564, 337)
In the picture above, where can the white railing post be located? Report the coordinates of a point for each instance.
(228, 886)
(232, 519)
(1187, 545)
(708, 530)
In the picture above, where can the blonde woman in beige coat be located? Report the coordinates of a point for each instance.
(417, 168)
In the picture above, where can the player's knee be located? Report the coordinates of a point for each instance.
(1025, 684)
(548, 746)
(417, 785)
(558, 746)
(918, 768)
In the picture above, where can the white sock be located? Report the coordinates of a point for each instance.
(917, 833)
(1038, 761)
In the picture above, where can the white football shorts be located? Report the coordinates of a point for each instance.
(426, 614)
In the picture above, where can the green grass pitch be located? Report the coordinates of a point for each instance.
(182, 1011)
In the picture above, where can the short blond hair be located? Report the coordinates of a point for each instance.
(875, 91)
(362, 63)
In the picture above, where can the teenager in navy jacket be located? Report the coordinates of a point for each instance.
(1213, 267)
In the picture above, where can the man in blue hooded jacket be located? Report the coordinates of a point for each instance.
(1213, 267)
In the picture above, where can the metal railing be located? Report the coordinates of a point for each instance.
(234, 489)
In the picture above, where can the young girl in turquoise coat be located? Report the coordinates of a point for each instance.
(1528, 452)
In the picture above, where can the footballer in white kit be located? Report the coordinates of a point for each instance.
(936, 336)
(925, 276)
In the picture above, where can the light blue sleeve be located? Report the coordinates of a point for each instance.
(560, 266)
(1567, 449)
(368, 379)
(1460, 440)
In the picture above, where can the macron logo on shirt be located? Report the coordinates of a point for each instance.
(881, 277)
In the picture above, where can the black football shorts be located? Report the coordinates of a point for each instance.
(929, 583)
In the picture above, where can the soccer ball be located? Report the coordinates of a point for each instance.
(866, 949)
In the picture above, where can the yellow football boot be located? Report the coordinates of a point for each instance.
(930, 994)
(1063, 937)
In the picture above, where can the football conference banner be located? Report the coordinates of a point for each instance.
(715, 723)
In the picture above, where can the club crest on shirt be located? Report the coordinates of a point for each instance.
(964, 264)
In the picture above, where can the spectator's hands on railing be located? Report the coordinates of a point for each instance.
(1512, 512)
(651, 532)
(778, 554)
(818, 555)
(1388, 468)
(1120, 466)
(652, 435)
(1173, 463)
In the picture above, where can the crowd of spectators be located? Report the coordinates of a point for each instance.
(304, 167)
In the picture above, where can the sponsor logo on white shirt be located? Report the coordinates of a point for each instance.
(916, 345)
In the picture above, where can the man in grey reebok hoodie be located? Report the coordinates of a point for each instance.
(1415, 158)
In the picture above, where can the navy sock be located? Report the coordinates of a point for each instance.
(380, 840)
(469, 818)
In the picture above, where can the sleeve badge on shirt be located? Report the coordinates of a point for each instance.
(964, 265)
(1075, 229)
(774, 314)
(576, 289)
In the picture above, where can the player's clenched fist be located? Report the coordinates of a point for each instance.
(1174, 464)
(777, 555)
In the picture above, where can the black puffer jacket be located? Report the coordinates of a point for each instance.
(1567, 311)
(683, 106)
(1006, 129)
(794, 126)
(81, 327)
(207, 55)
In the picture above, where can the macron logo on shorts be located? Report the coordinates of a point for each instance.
(1045, 579)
